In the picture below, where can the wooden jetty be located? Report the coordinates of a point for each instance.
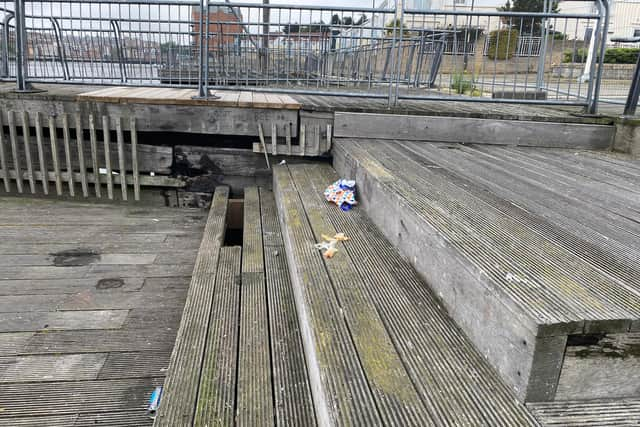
(149, 238)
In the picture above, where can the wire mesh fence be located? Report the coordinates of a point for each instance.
(388, 52)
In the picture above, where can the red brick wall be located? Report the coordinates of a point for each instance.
(223, 29)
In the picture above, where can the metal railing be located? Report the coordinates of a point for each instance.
(393, 53)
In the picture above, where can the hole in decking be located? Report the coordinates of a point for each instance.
(75, 257)
(234, 223)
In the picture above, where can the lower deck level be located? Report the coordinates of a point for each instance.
(91, 297)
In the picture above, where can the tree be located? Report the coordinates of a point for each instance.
(394, 25)
(527, 26)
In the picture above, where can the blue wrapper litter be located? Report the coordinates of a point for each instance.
(342, 193)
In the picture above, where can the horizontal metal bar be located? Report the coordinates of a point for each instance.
(499, 14)
(301, 7)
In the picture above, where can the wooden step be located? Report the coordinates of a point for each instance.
(238, 356)
(380, 349)
(531, 292)
(592, 413)
(183, 378)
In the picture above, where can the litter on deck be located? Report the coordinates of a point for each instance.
(342, 193)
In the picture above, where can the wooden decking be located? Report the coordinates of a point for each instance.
(173, 96)
(238, 355)
(533, 251)
(91, 297)
(380, 349)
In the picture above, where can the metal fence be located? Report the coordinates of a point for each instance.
(394, 53)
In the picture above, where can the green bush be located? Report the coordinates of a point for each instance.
(461, 84)
(613, 55)
(575, 55)
(502, 44)
(621, 55)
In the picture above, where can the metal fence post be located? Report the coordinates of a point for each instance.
(603, 46)
(202, 90)
(634, 91)
(543, 47)
(5, 44)
(22, 64)
(394, 77)
(119, 49)
(61, 51)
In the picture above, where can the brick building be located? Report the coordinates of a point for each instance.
(224, 29)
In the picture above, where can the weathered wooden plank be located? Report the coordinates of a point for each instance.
(288, 139)
(471, 130)
(26, 137)
(274, 139)
(201, 119)
(139, 364)
(99, 341)
(14, 149)
(66, 286)
(600, 367)
(12, 344)
(64, 367)
(40, 421)
(29, 303)
(303, 140)
(404, 302)
(255, 400)
(317, 305)
(3, 159)
(134, 159)
(94, 155)
(588, 413)
(67, 153)
(63, 320)
(136, 418)
(367, 326)
(79, 397)
(122, 169)
(54, 155)
(81, 163)
(217, 383)
(106, 134)
(293, 403)
(263, 145)
(181, 390)
(144, 180)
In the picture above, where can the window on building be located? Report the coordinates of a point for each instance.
(421, 4)
(460, 2)
(636, 33)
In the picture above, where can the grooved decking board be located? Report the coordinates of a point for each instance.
(469, 215)
(433, 349)
(292, 392)
(65, 367)
(568, 287)
(595, 413)
(175, 96)
(36, 321)
(86, 336)
(334, 368)
(61, 286)
(396, 397)
(75, 397)
(181, 388)
(99, 341)
(137, 364)
(42, 421)
(217, 384)
(254, 396)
